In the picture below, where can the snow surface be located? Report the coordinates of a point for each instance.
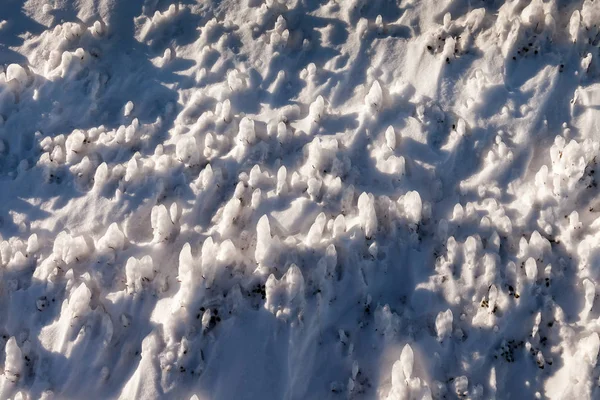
(299, 199)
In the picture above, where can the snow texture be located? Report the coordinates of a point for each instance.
(299, 199)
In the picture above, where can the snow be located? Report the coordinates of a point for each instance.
(269, 199)
(13, 363)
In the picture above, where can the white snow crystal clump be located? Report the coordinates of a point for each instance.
(374, 99)
(443, 324)
(162, 223)
(404, 385)
(246, 134)
(138, 273)
(13, 363)
(367, 214)
(187, 150)
(285, 297)
(265, 243)
(317, 109)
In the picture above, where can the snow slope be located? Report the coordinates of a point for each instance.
(299, 199)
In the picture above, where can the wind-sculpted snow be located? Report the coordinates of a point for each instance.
(299, 199)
